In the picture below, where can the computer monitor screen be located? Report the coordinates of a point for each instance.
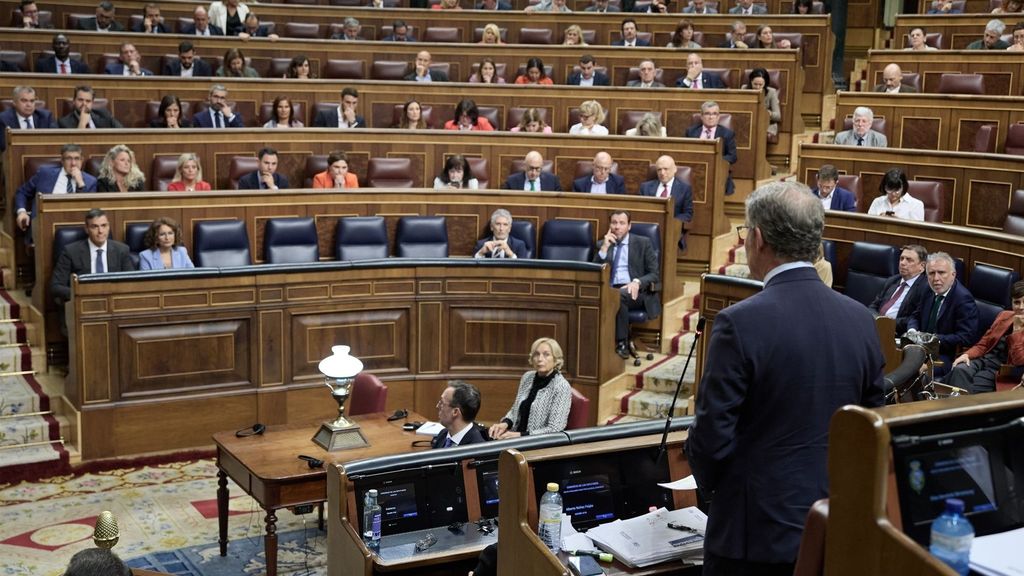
(397, 502)
(588, 499)
(963, 473)
(487, 488)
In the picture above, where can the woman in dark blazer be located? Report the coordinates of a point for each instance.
(170, 114)
(544, 397)
(758, 80)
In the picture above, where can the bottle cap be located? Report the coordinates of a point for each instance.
(955, 505)
(552, 486)
(372, 492)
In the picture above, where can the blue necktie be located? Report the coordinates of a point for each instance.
(615, 260)
(99, 262)
(71, 184)
(220, 121)
(448, 442)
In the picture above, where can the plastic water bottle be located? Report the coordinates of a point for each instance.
(371, 521)
(952, 535)
(550, 528)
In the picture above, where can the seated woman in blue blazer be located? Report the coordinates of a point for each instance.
(164, 247)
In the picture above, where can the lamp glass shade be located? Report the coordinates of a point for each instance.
(340, 364)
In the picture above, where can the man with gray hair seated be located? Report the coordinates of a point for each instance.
(501, 244)
(992, 40)
(861, 134)
(948, 311)
(350, 30)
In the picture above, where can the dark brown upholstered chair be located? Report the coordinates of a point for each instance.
(315, 164)
(492, 115)
(309, 30)
(985, 139)
(536, 36)
(369, 395)
(852, 183)
(1014, 223)
(932, 194)
(1014, 140)
(345, 69)
(17, 58)
(162, 171)
(912, 79)
(278, 67)
(442, 34)
(389, 69)
(724, 73)
(390, 173)
(961, 84)
(478, 168)
(240, 166)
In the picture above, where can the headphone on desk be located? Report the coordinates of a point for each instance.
(255, 430)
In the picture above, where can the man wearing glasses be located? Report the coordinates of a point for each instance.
(533, 178)
(456, 411)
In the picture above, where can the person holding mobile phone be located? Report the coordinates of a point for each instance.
(895, 201)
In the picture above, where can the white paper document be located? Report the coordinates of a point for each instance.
(688, 483)
(647, 540)
(999, 554)
(430, 428)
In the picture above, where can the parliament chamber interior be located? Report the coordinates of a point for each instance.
(391, 199)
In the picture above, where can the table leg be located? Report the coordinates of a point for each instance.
(270, 543)
(222, 510)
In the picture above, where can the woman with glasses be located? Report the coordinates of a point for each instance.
(591, 116)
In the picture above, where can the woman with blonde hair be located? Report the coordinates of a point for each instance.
(591, 116)
(544, 397)
(573, 36)
(188, 176)
(119, 172)
(491, 34)
(532, 121)
(649, 125)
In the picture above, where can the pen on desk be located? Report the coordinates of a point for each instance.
(602, 556)
(684, 528)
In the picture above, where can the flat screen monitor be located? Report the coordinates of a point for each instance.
(415, 499)
(487, 488)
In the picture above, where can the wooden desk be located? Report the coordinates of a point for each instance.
(958, 30)
(1002, 69)
(267, 468)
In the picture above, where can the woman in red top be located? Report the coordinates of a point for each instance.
(976, 369)
(467, 117)
(188, 177)
(337, 175)
(534, 73)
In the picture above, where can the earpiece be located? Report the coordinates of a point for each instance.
(311, 461)
(256, 430)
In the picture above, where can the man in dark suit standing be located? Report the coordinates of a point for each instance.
(343, 116)
(634, 270)
(948, 311)
(266, 177)
(587, 74)
(84, 116)
(24, 115)
(456, 411)
(778, 365)
(501, 244)
(833, 196)
(68, 178)
(218, 114)
(103, 21)
(201, 24)
(422, 72)
(709, 129)
(601, 179)
(666, 185)
(696, 78)
(60, 62)
(188, 64)
(902, 294)
(532, 178)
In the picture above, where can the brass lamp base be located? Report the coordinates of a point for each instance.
(331, 437)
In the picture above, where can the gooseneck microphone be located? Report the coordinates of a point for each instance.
(697, 333)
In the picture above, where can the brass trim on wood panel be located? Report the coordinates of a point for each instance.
(429, 287)
(241, 296)
(169, 299)
(351, 289)
(271, 295)
(308, 292)
(506, 287)
(135, 303)
(93, 305)
(396, 287)
(556, 289)
(98, 359)
(481, 286)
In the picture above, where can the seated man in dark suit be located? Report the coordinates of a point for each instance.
(587, 75)
(699, 7)
(60, 62)
(251, 28)
(152, 21)
(422, 72)
(709, 129)
(833, 196)
(201, 24)
(219, 114)
(84, 116)
(501, 244)
(648, 73)
(103, 21)
(655, 7)
(696, 78)
(399, 33)
(30, 16)
(456, 411)
(351, 29)
(734, 39)
(266, 177)
(24, 115)
(129, 63)
(629, 37)
(533, 177)
(747, 7)
(602, 7)
(493, 5)
(634, 270)
(188, 65)
(68, 178)
(948, 311)
(892, 81)
(601, 179)
(901, 294)
(344, 116)
(667, 185)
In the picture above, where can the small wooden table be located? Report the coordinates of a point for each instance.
(267, 467)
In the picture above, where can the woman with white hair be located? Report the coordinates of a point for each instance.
(591, 116)
(544, 396)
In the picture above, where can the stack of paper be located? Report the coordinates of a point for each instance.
(647, 540)
(998, 554)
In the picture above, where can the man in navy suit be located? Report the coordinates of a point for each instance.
(68, 178)
(501, 244)
(187, 64)
(666, 185)
(655, 7)
(201, 25)
(60, 62)
(24, 115)
(833, 196)
(343, 116)
(699, 7)
(901, 295)
(533, 178)
(152, 22)
(629, 37)
(399, 33)
(493, 5)
(219, 114)
(421, 70)
(778, 365)
(709, 129)
(128, 64)
(948, 311)
(456, 411)
(587, 75)
(696, 78)
(634, 272)
(266, 177)
(747, 7)
(84, 115)
(103, 21)
(601, 179)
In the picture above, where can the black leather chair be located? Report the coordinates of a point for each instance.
(135, 238)
(868, 268)
(219, 243)
(361, 238)
(288, 240)
(524, 230)
(652, 232)
(991, 289)
(567, 240)
(828, 247)
(421, 237)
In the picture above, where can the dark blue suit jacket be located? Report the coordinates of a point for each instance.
(643, 265)
(473, 436)
(728, 148)
(204, 120)
(778, 365)
(140, 27)
(191, 30)
(600, 79)
(709, 81)
(548, 182)
(199, 68)
(615, 185)
(639, 42)
(682, 194)
(251, 181)
(42, 182)
(41, 119)
(518, 246)
(910, 303)
(842, 199)
(117, 69)
(48, 65)
(957, 324)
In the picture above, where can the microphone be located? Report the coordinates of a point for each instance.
(697, 333)
(106, 533)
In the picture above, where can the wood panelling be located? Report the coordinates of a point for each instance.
(1002, 69)
(958, 30)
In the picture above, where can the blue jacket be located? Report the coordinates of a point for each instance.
(150, 259)
(600, 79)
(518, 246)
(41, 119)
(251, 181)
(956, 325)
(205, 120)
(708, 81)
(842, 199)
(42, 182)
(117, 69)
(615, 185)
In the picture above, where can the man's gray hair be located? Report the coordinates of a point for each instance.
(790, 218)
(501, 213)
(995, 25)
(217, 88)
(708, 105)
(936, 256)
(19, 90)
(864, 111)
(350, 22)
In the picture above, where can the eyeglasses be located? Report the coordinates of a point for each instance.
(743, 230)
(441, 403)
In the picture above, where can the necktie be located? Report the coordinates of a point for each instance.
(934, 314)
(664, 190)
(448, 442)
(71, 184)
(707, 134)
(99, 262)
(892, 299)
(860, 140)
(615, 260)
(696, 83)
(220, 120)
(533, 185)
(63, 68)
(28, 123)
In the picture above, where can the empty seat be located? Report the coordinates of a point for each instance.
(421, 237)
(961, 84)
(15, 58)
(933, 195)
(524, 230)
(368, 396)
(867, 269)
(240, 166)
(1014, 140)
(219, 243)
(135, 238)
(985, 139)
(288, 240)
(309, 30)
(567, 240)
(536, 36)
(390, 173)
(442, 34)
(278, 67)
(162, 171)
(345, 69)
(315, 164)
(852, 183)
(388, 70)
(1014, 223)
(478, 168)
(990, 286)
(361, 238)
(579, 411)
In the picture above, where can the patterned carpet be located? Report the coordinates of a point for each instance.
(168, 521)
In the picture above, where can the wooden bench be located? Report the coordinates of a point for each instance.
(1002, 69)
(958, 30)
